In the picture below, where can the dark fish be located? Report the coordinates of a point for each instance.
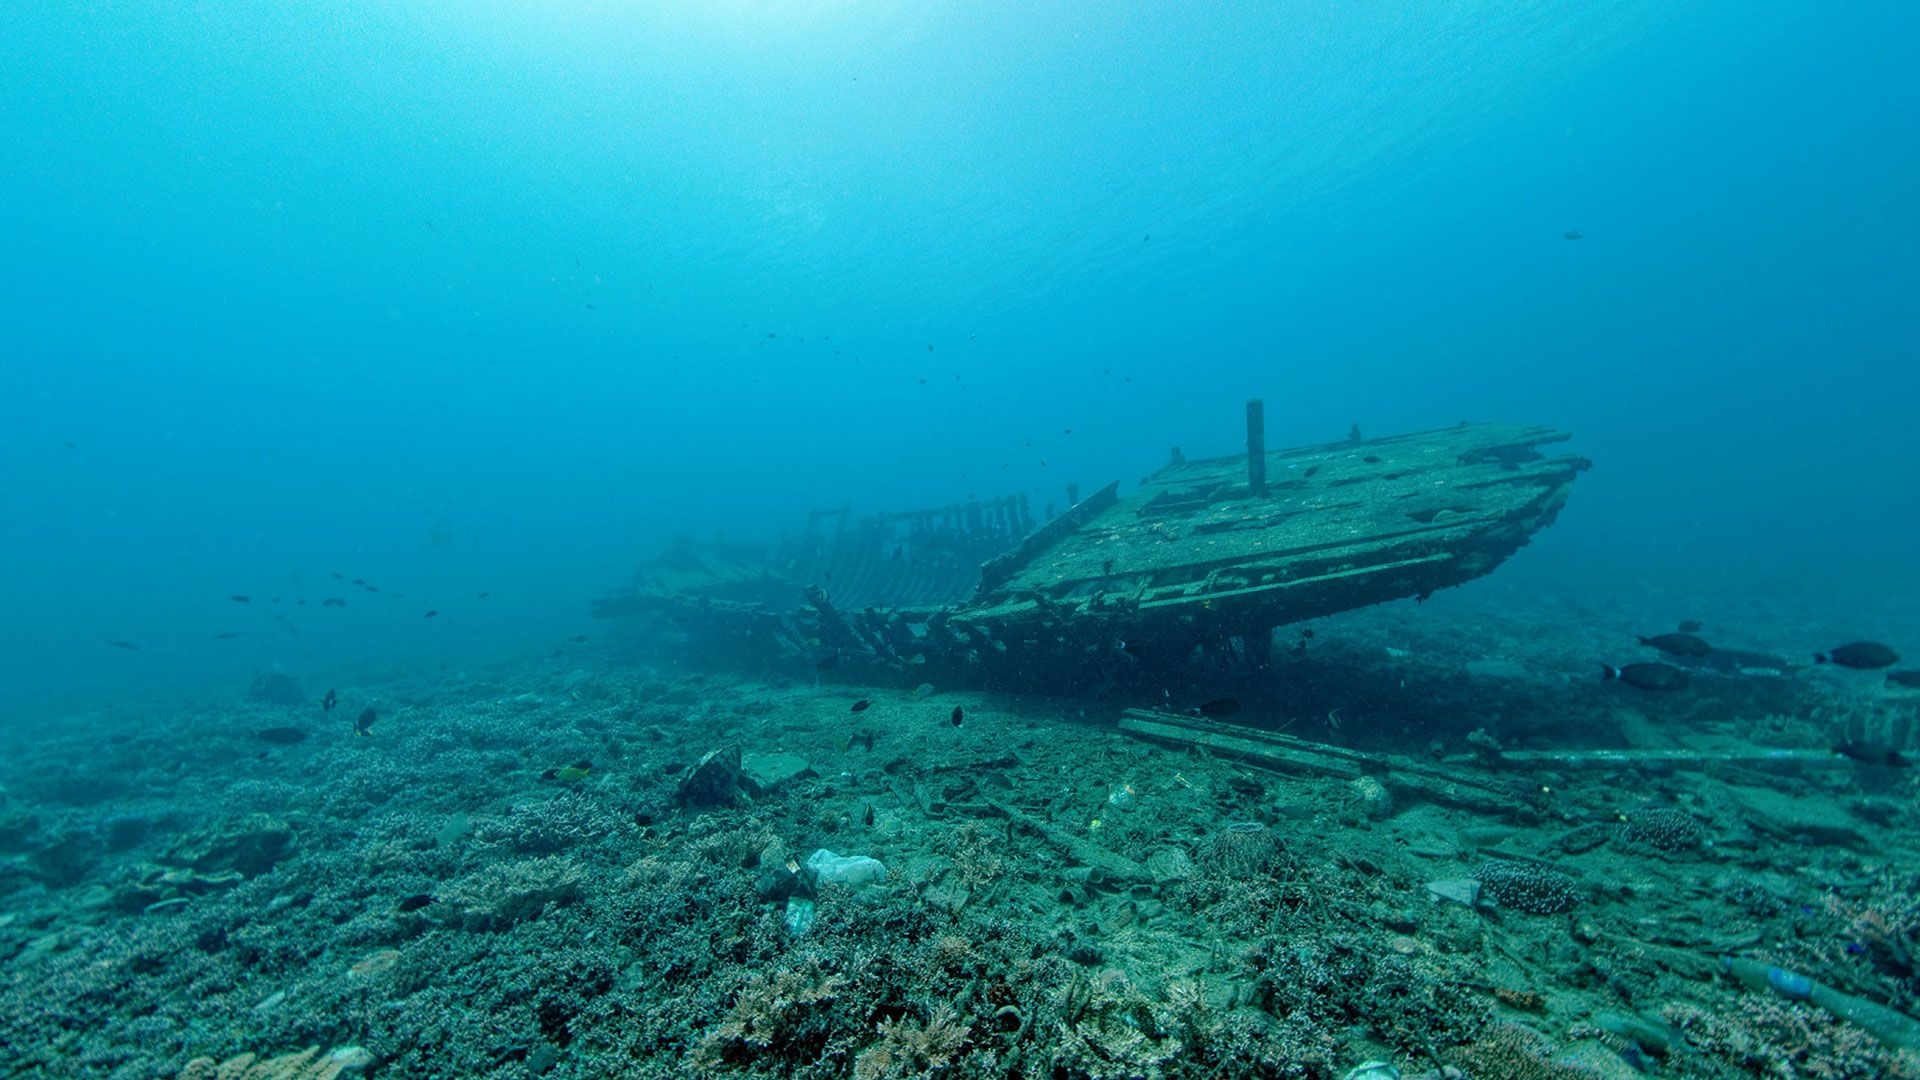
(827, 663)
(1647, 676)
(1219, 707)
(372, 589)
(327, 703)
(959, 714)
(363, 725)
(1868, 753)
(1678, 644)
(415, 902)
(238, 599)
(226, 635)
(1311, 469)
(333, 601)
(430, 614)
(127, 645)
(281, 736)
(1689, 626)
(484, 595)
(578, 639)
(862, 705)
(336, 575)
(869, 817)
(1572, 234)
(359, 581)
(1863, 655)
(1908, 679)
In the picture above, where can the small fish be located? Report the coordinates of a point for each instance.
(359, 581)
(333, 601)
(1908, 679)
(127, 645)
(336, 575)
(430, 614)
(1861, 655)
(327, 703)
(578, 639)
(569, 774)
(1868, 753)
(238, 599)
(1311, 469)
(1572, 234)
(959, 714)
(226, 635)
(827, 663)
(1678, 644)
(1690, 626)
(1647, 676)
(372, 589)
(363, 725)
(415, 902)
(869, 816)
(484, 595)
(861, 706)
(1219, 707)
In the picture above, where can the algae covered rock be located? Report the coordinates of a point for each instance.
(713, 782)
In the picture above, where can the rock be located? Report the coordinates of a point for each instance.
(1374, 798)
(854, 870)
(1455, 890)
(1814, 822)
(764, 774)
(351, 1059)
(275, 688)
(713, 782)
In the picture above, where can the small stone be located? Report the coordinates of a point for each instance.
(1374, 798)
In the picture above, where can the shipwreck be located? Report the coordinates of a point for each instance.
(1201, 562)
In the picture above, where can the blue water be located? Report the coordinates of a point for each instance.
(459, 298)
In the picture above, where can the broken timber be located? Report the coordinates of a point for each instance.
(1290, 756)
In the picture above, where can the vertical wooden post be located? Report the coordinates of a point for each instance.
(1257, 446)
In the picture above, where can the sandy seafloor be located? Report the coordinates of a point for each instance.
(182, 897)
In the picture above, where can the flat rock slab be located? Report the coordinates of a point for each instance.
(1803, 821)
(764, 774)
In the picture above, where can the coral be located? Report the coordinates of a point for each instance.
(498, 896)
(1660, 828)
(972, 852)
(1511, 1052)
(1241, 850)
(765, 1013)
(1535, 890)
(549, 826)
(1769, 1036)
(308, 1064)
(908, 1047)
